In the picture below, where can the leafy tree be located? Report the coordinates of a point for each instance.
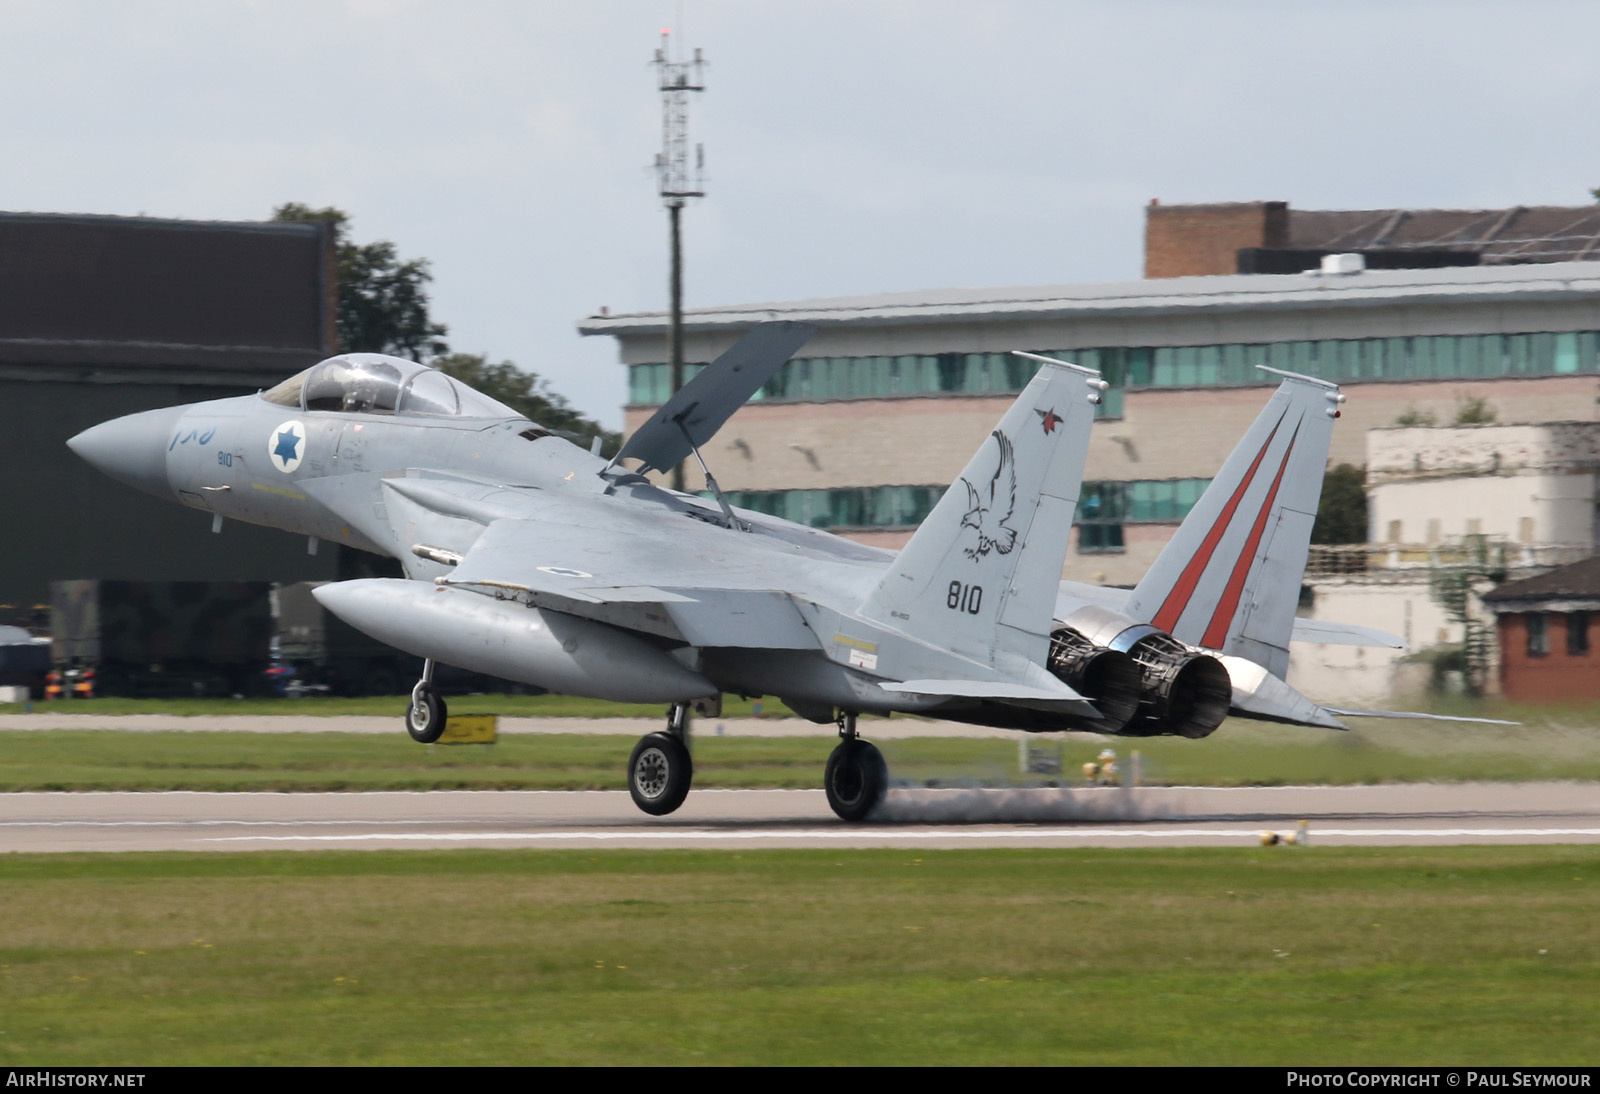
(383, 302)
(383, 308)
(1342, 510)
(528, 394)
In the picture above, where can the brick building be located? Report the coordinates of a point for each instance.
(1547, 634)
(1257, 237)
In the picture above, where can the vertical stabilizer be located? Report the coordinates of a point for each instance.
(1229, 580)
(980, 575)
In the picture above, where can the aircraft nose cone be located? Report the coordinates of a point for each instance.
(132, 449)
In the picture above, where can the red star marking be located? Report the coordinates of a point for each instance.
(1050, 419)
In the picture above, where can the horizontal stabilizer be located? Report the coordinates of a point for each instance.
(1415, 714)
(1329, 633)
(692, 416)
(1259, 694)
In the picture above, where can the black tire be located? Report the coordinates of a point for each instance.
(426, 716)
(856, 779)
(659, 773)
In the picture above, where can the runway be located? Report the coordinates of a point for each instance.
(1410, 814)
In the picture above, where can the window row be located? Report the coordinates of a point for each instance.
(1347, 360)
(1102, 506)
(1141, 500)
(813, 378)
(858, 507)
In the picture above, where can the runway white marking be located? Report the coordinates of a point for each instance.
(895, 835)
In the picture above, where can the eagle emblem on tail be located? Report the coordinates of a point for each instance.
(989, 509)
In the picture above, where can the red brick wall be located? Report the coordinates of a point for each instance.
(1555, 677)
(1188, 240)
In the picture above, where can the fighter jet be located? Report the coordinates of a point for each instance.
(528, 558)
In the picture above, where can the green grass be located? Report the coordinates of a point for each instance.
(1239, 754)
(519, 706)
(1458, 956)
(118, 760)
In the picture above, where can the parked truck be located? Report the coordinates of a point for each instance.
(160, 638)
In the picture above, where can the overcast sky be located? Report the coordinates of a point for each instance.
(852, 146)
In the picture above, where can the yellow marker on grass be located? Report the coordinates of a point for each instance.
(470, 729)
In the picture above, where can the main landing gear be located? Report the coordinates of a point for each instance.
(857, 778)
(660, 769)
(426, 715)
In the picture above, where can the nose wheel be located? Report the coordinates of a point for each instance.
(426, 716)
(857, 776)
(660, 769)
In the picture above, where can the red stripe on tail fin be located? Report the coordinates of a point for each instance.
(1217, 632)
(1178, 599)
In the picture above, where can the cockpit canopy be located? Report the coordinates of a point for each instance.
(375, 383)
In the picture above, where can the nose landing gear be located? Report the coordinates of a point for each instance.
(426, 716)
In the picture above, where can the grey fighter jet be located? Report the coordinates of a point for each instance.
(529, 558)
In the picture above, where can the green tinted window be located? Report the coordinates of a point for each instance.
(1229, 365)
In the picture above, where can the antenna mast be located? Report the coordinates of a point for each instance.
(677, 79)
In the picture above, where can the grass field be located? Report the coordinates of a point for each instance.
(519, 706)
(1239, 754)
(1470, 955)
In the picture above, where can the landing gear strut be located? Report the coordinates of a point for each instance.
(660, 769)
(426, 715)
(857, 778)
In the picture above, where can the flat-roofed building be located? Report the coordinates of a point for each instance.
(886, 403)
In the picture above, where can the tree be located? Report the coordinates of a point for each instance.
(528, 394)
(383, 302)
(383, 308)
(1342, 511)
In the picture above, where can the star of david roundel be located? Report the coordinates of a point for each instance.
(286, 446)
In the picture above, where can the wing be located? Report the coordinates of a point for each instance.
(653, 569)
(647, 581)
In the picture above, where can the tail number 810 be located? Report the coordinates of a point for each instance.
(964, 598)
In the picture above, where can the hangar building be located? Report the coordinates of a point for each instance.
(102, 316)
